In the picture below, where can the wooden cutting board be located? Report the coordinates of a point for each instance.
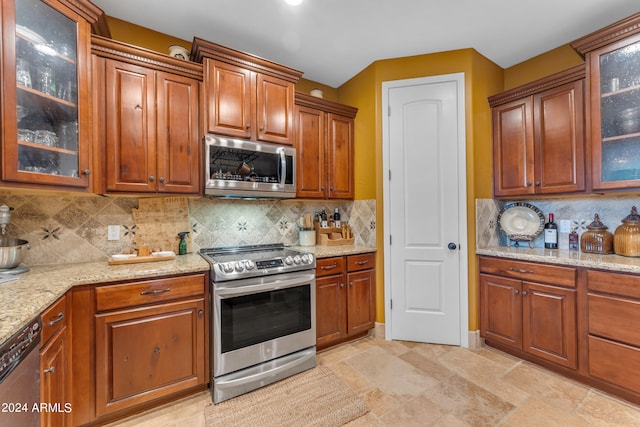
(159, 220)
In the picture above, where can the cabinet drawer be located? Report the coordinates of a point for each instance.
(543, 273)
(614, 318)
(615, 363)
(148, 292)
(328, 266)
(361, 262)
(54, 319)
(614, 283)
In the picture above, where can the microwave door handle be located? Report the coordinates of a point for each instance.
(282, 166)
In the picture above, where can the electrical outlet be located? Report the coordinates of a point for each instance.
(565, 226)
(113, 232)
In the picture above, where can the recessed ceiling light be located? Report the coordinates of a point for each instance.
(293, 2)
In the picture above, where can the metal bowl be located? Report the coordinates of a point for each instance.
(12, 251)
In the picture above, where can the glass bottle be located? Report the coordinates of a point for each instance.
(551, 234)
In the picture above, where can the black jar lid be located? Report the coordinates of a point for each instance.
(597, 224)
(633, 216)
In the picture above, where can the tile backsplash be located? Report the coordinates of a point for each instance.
(578, 211)
(67, 228)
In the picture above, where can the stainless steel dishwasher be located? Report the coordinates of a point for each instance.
(20, 377)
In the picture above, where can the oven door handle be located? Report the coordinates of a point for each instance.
(272, 285)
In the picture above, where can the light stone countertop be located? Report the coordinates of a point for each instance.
(574, 258)
(321, 251)
(35, 290)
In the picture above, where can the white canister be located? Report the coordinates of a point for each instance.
(307, 237)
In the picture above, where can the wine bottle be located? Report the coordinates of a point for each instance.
(551, 234)
(323, 219)
(336, 218)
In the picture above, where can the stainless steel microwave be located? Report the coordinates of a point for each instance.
(246, 169)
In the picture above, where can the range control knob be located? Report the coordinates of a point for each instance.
(306, 259)
(227, 267)
(296, 259)
(288, 260)
(239, 266)
(249, 265)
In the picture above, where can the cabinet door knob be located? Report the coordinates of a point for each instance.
(528, 183)
(152, 178)
(538, 183)
(351, 284)
(86, 172)
(161, 179)
(342, 285)
(200, 313)
(51, 370)
(524, 293)
(322, 188)
(248, 126)
(516, 292)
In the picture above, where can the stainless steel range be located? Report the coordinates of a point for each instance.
(263, 300)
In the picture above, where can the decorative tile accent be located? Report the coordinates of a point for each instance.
(73, 228)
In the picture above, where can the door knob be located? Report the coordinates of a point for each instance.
(452, 246)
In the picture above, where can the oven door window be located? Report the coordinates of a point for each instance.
(252, 319)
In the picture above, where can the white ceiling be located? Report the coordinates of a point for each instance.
(333, 40)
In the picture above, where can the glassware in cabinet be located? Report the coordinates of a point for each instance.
(42, 143)
(617, 150)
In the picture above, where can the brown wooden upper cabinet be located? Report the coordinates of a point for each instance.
(538, 136)
(246, 96)
(613, 58)
(149, 138)
(324, 146)
(45, 106)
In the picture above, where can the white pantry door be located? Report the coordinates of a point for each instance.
(425, 210)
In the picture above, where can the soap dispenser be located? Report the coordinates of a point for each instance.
(182, 246)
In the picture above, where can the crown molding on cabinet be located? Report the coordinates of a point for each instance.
(570, 74)
(607, 35)
(108, 48)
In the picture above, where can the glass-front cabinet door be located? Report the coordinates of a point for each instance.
(615, 109)
(45, 105)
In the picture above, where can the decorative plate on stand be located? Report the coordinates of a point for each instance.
(521, 222)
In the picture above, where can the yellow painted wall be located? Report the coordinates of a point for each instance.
(540, 66)
(143, 37)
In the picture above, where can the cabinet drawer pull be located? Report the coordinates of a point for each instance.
(329, 267)
(362, 262)
(520, 270)
(155, 291)
(51, 370)
(58, 318)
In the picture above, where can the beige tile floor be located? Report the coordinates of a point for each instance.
(410, 384)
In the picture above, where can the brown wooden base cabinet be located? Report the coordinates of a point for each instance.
(614, 328)
(530, 307)
(150, 345)
(55, 388)
(345, 298)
